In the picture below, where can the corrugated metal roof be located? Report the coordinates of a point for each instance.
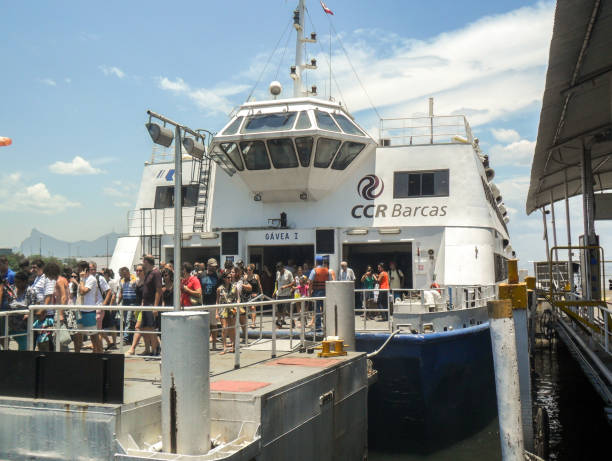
(577, 103)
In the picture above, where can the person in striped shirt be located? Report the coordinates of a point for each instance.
(127, 297)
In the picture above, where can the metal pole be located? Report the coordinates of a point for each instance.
(30, 332)
(178, 217)
(501, 327)
(569, 236)
(554, 225)
(237, 328)
(546, 235)
(299, 43)
(185, 383)
(273, 330)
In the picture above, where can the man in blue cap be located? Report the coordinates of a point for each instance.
(318, 276)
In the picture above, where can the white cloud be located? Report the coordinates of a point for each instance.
(17, 196)
(112, 71)
(68, 80)
(213, 101)
(48, 81)
(121, 190)
(504, 135)
(77, 166)
(518, 153)
(123, 204)
(178, 85)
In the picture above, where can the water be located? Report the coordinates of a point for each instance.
(578, 426)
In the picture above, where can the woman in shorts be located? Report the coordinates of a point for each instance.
(227, 294)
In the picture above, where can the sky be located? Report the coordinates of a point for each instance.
(77, 79)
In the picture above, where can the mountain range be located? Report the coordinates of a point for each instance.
(38, 243)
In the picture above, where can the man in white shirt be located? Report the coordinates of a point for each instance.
(43, 285)
(284, 284)
(95, 291)
(396, 277)
(346, 273)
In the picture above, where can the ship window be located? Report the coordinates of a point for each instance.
(231, 150)
(255, 155)
(325, 121)
(282, 153)
(420, 184)
(233, 128)
(347, 126)
(262, 123)
(326, 148)
(303, 122)
(347, 154)
(304, 149)
(164, 196)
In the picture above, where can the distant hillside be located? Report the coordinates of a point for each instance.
(62, 249)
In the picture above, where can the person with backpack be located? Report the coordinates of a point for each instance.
(96, 292)
(318, 276)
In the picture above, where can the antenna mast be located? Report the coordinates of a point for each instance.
(296, 72)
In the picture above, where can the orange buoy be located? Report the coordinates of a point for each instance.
(4, 141)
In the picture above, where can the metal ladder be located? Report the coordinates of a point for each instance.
(199, 217)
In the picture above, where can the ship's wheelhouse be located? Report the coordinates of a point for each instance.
(290, 150)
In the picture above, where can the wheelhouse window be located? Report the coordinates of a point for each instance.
(326, 149)
(347, 154)
(282, 153)
(263, 123)
(303, 122)
(164, 196)
(420, 184)
(346, 125)
(304, 149)
(231, 150)
(255, 155)
(233, 128)
(325, 121)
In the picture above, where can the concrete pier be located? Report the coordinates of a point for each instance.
(297, 406)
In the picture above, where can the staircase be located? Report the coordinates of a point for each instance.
(199, 218)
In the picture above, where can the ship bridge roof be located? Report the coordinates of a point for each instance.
(577, 103)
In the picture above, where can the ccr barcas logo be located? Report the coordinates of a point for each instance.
(370, 187)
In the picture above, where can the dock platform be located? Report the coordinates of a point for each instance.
(270, 408)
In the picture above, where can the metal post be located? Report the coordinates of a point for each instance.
(302, 326)
(237, 328)
(6, 332)
(291, 326)
(178, 217)
(185, 383)
(569, 236)
(273, 330)
(299, 62)
(501, 327)
(546, 235)
(554, 226)
(340, 295)
(30, 332)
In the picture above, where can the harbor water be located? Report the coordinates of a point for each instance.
(578, 427)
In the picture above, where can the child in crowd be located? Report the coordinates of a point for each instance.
(44, 339)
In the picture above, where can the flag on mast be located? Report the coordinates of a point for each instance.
(327, 10)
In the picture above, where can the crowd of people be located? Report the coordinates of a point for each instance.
(37, 283)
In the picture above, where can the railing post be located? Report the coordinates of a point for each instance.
(302, 326)
(30, 330)
(273, 330)
(291, 325)
(185, 383)
(237, 328)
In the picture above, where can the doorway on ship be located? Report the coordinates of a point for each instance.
(361, 255)
(195, 254)
(269, 255)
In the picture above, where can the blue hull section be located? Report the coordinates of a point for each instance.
(432, 390)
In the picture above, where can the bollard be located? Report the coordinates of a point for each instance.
(516, 293)
(340, 311)
(185, 383)
(501, 327)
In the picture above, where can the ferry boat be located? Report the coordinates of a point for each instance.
(292, 178)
